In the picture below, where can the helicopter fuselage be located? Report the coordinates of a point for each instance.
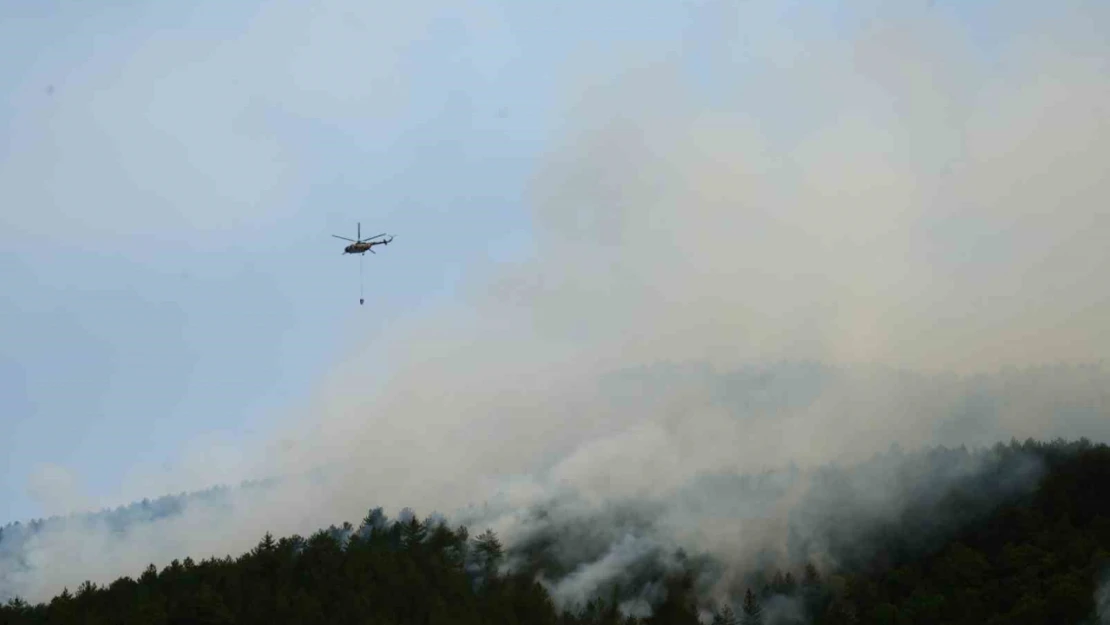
(363, 246)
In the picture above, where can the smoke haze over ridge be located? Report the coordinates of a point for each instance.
(897, 204)
(673, 229)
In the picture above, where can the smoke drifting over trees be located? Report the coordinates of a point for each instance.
(1021, 530)
(887, 241)
(589, 536)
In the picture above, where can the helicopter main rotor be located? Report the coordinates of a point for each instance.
(359, 235)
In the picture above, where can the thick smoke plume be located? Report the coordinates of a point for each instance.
(586, 531)
(924, 217)
(736, 529)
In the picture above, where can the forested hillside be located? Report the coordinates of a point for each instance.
(966, 553)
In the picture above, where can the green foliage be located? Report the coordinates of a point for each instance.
(679, 607)
(752, 612)
(1036, 558)
(726, 616)
(489, 548)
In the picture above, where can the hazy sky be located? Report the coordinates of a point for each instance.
(170, 175)
(170, 179)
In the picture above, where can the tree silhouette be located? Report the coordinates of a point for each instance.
(1038, 556)
(752, 611)
(489, 550)
(725, 616)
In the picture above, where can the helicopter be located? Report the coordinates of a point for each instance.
(361, 245)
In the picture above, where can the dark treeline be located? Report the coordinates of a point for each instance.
(1037, 556)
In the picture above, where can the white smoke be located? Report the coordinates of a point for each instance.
(56, 489)
(926, 218)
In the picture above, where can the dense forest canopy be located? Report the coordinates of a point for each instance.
(1016, 533)
(694, 448)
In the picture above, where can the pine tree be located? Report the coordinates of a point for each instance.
(678, 606)
(753, 613)
(267, 544)
(778, 583)
(811, 577)
(725, 617)
(149, 575)
(374, 521)
(86, 589)
(18, 604)
(413, 533)
(789, 583)
(489, 549)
